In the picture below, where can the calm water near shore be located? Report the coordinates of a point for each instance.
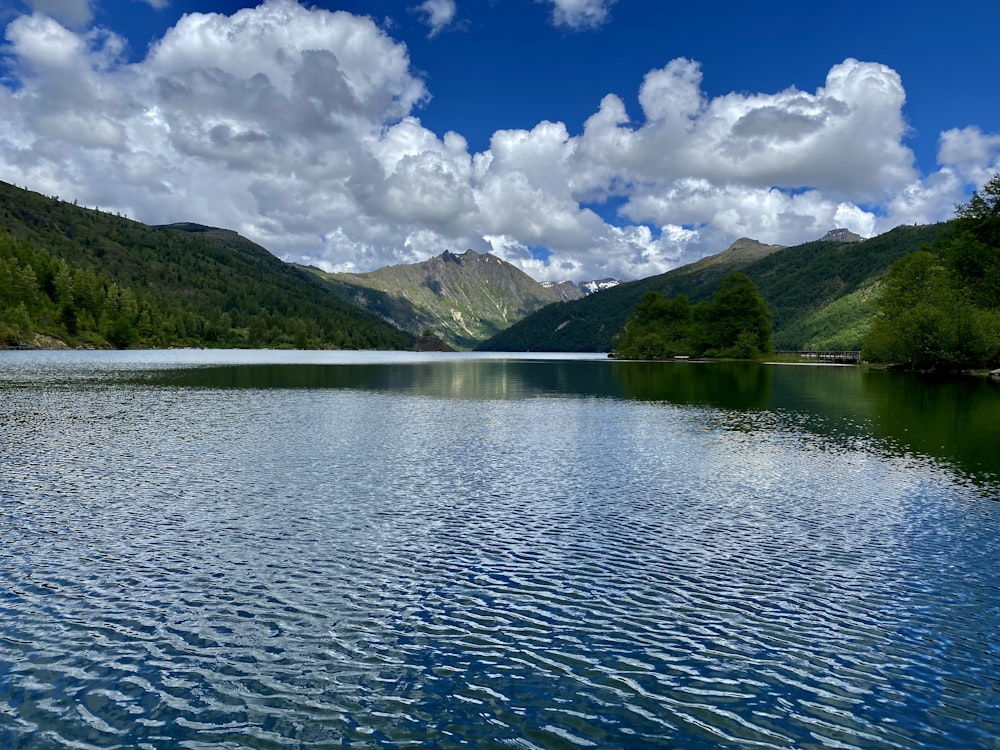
(204, 549)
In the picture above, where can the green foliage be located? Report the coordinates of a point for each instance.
(972, 250)
(982, 207)
(921, 320)
(735, 324)
(659, 328)
(841, 325)
(739, 324)
(940, 308)
(40, 293)
(93, 279)
(796, 282)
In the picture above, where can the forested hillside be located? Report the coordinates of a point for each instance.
(940, 307)
(820, 295)
(89, 278)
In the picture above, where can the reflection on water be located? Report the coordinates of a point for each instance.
(487, 379)
(725, 385)
(225, 550)
(955, 420)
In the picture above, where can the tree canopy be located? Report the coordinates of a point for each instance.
(93, 279)
(734, 324)
(940, 307)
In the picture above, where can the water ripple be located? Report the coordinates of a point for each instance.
(228, 569)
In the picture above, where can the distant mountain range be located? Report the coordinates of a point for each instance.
(89, 278)
(464, 298)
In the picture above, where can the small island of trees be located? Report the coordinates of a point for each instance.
(734, 324)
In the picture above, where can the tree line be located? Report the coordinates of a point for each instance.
(92, 279)
(43, 294)
(735, 323)
(939, 307)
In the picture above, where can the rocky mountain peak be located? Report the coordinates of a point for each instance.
(449, 257)
(749, 245)
(841, 234)
(463, 298)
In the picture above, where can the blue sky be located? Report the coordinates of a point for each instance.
(575, 138)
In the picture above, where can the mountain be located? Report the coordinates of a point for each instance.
(842, 235)
(463, 297)
(740, 253)
(598, 285)
(90, 278)
(567, 290)
(820, 293)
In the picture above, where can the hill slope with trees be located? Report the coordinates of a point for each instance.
(820, 294)
(89, 278)
(940, 306)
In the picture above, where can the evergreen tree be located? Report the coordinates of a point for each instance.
(739, 322)
(940, 307)
(735, 324)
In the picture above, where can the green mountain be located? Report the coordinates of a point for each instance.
(464, 298)
(821, 294)
(89, 278)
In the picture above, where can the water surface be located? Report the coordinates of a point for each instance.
(247, 549)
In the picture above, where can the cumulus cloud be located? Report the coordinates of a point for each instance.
(580, 14)
(300, 129)
(438, 14)
(846, 138)
(974, 155)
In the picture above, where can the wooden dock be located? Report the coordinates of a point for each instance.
(838, 357)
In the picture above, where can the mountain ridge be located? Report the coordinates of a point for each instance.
(463, 297)
(798, 282)
(91, 278)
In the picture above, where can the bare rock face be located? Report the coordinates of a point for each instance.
(567, 290)
(41, 341)
(841, 235)
(464, 297)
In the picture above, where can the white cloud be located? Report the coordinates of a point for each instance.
(580, 14)
(973, 154)
(438, 14)
(156, 4)
(846, 138)
(299, 128)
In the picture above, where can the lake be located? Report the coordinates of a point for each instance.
(210, 549)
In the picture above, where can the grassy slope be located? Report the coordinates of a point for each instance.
(799, 283)
(464, 298)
